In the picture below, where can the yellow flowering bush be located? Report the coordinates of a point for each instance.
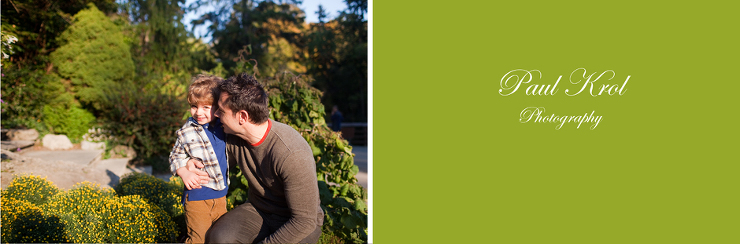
(128, 219)
(167, 230)
(23, 221)
(34, 189)
(87, 213)
(80, 209)
(167, 196)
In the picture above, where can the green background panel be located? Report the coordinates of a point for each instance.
(452, 163)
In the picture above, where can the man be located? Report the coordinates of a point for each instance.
(283, 205)
(336, 118)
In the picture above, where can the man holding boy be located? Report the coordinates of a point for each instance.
(202, 138)
(284, 205)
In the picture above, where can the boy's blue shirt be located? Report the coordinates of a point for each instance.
(207, 143)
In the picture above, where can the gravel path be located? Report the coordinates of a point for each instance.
(62, 173)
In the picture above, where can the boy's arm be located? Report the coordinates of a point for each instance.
(179, 159)
(179, 155)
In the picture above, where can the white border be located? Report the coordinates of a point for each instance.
(370, 121)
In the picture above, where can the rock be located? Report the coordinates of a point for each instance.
(122, 151)
(86, 145)
(56, 142)
(23, 135)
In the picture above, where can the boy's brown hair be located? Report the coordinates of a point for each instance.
(203, 89)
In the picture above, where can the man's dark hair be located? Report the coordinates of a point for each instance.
(246, 93)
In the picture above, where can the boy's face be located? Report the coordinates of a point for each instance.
(201, 113)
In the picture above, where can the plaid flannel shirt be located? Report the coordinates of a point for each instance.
(192, 142)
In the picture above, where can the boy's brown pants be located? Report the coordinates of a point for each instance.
(200, 215)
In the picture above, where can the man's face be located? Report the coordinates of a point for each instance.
(228, 118)
(201, 113)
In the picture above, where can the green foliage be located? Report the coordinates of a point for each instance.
(29, 188)
(160, 42)
(337, 60)
(38, 23)
(72, 121)
(238, 186)
(93, 56)
(269, 32)
(145, 119)
(25, 91)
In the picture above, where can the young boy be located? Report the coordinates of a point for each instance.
(202, 138)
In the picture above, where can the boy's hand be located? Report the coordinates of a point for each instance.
(188, 178)
(194, 165)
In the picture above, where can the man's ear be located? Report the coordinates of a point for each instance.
(242, 116)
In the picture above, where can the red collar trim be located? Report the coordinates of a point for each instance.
(269, 125)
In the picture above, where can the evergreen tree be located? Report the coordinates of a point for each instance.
(92, 56)
(160, 40)
(38, 23)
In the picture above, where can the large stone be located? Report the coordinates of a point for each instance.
(56, 142)
(122, 151)
(87, 145)
(23, 134)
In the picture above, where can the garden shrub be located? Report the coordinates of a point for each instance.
(80, 209)
(296, 103)
(154, 190)
(33, 189)
(86, 213)
(72, 120)
(166, 196)
(23, 221)
(25, 91)
(128, 219)
(92, 56)
(238, 186)
(146, 120)
(167, 230)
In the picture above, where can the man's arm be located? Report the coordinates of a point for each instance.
(192, 169)
(180, 162)
(298, 173)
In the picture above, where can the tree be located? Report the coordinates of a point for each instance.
(268, 32)
(92, 56)
(160, 40)
(28, 81)
(38, 23)
(337, 54)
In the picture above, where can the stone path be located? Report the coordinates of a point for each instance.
(65, 168)
(68, 167)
